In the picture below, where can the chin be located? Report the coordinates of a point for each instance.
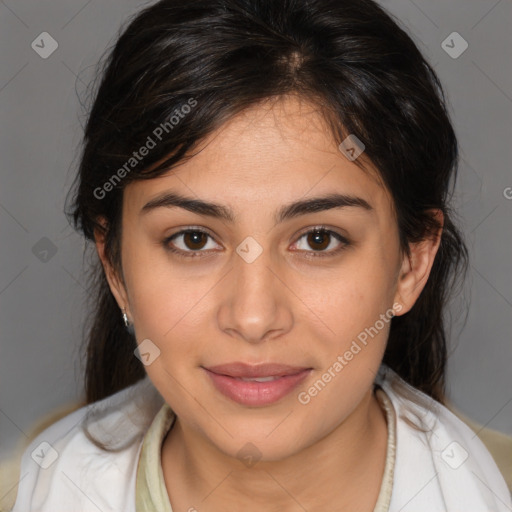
(265, 443)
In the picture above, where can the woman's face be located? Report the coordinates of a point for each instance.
(256, 288)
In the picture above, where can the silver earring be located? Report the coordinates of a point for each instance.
(127, 323)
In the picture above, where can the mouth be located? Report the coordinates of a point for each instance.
(256, 385)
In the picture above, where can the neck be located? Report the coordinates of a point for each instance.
(344, 467)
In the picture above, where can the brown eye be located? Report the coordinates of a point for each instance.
(194, 240)
(318, 240)
(189, 243)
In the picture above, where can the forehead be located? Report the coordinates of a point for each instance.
(272, 153)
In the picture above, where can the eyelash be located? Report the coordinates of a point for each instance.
(312, 254)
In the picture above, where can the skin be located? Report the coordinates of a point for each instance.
(282, 307)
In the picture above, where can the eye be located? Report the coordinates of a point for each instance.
(189, 241)
(320, 238)
(194, 240)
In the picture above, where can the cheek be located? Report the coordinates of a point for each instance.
(356, 307)
(160, 295)
(349, 299)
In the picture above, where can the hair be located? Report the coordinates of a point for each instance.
(186, 68)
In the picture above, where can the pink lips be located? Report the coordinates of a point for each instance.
(227, 379)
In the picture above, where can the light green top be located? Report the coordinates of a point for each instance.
(151, 493)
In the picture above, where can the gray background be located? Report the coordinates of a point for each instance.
(42, 302)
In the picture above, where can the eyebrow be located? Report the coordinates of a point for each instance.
(286, 212)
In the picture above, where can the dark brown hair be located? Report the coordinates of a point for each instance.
(351, 59)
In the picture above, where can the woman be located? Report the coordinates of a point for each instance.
(266, 184)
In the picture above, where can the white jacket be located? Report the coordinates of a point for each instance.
(446, 469)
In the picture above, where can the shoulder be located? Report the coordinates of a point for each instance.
(88, 459)
(441, 464)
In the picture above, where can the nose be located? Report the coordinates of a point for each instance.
(255, 303)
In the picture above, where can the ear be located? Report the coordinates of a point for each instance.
(416, 269)
(115, 282)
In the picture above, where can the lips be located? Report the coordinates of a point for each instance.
(247, 371)
(256, 385)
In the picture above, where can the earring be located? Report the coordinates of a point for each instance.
(127, 323)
